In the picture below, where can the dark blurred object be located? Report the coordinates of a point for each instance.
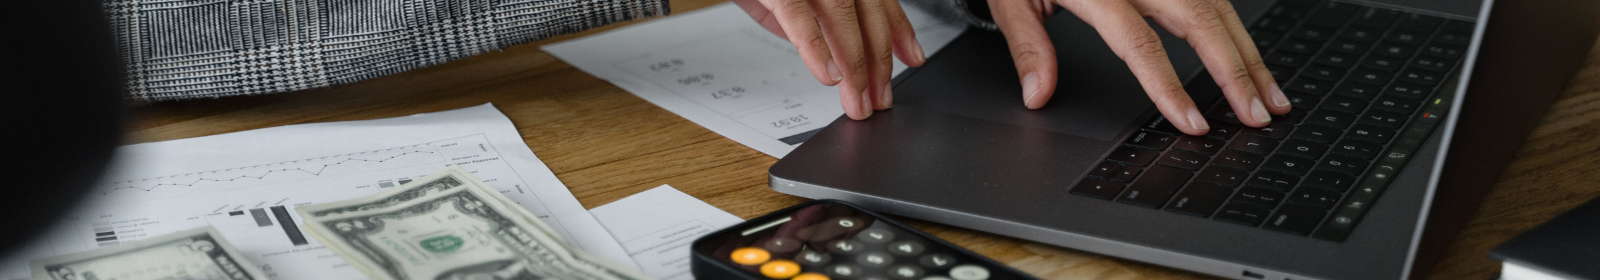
(1567, 246)
(60, 110)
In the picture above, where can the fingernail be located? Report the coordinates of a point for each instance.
(1277, 96)
(1030, 87)
(916, 49)
(833, 71)
(1197, 121)
(1259, 111)
(887, 97)
(866, 102)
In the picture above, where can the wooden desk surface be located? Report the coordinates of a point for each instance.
(606, 144)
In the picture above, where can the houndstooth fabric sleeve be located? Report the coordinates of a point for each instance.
(180, 49)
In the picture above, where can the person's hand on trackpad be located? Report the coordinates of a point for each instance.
(1211, 27)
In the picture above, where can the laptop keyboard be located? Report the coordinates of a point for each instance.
(1363, 84)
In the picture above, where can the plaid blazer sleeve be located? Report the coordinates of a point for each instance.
(180, 49)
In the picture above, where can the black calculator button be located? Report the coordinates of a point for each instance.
(809, 257)
(842, 271)
(874, 260)
(906, 248)
(969, 272)
(876, 235)
(937, 261)
(905, 272)
(846, 247)
(782, 246)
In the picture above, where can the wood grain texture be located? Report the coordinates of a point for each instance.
(606, 144)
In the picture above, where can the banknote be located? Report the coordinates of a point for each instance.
(449, 225)
(198, 253)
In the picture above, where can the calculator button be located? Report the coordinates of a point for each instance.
(780, 269)
(969, 272)
(905, 272)
(874, 260)
(847, 222)
(876, 235)
(810, 257)
(936, 278)
(846, 246)
(781, 246)
(906, 248)
(750, 256)
(937, 261)
(842, 270)
(810, 276)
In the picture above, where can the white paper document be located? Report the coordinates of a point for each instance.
(720, 69)
(657, 226)
(247, 184)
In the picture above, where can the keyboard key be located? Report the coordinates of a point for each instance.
(1380, 63)
(1258, 197)
(1344, 164)
(1357, 148)
(1393, 50)
(1303, 148)
(1395, 104)
(1329, 180)
(1160, 124)
(1349, 47)
(1184, 160)
(1199, 199)
(1301, 101)
(1098, 188)
(1254, 144)
(1317, 134)
(1222, 176)
(1358, 91)
(1370, 133)
(1137, 156)
(1403, 37)
(1274, 180)
(1300, 47)
(1222, 112)
(1332, 15)
(1280, 74)
(1104, 170)
(1408, 90)
(1294, 117)
(1384, 119)
(1311, 34)
(1276, 130)
(1295, 219)
(1459, 26)
(1287, 12)
(1416, 22)
(1288, 164)
(1274, 25)
(1453, 38)
(1236, 160)
(1343, 61)
(1443, 51)
(1360, 34)
(1422, 77)
(1433, 64)
(1284, 59)
(1323, 73)
(1371, 77)
(1330, 118)
(1242, 214)
(1152, 140)
(1314, 197)
(1199, 144)
(1126, 174)
(1309, 86)
(1223, 130)
(1378, 18)
(1156, 186)
(1344, 104)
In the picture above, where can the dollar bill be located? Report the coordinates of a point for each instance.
(450, 225)
(198, 253)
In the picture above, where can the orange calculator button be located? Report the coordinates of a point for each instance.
(810, 276)
(750, 256)
(780, 269)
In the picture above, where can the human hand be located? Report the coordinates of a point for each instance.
(846, 43)
(1212, 27)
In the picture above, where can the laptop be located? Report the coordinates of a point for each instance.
(1388, 150)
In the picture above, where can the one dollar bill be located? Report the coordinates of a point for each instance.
(198, 253)
(450, 225)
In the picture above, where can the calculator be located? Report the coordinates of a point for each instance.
(831, 239)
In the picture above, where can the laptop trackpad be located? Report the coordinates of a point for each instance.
(1096, 96)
